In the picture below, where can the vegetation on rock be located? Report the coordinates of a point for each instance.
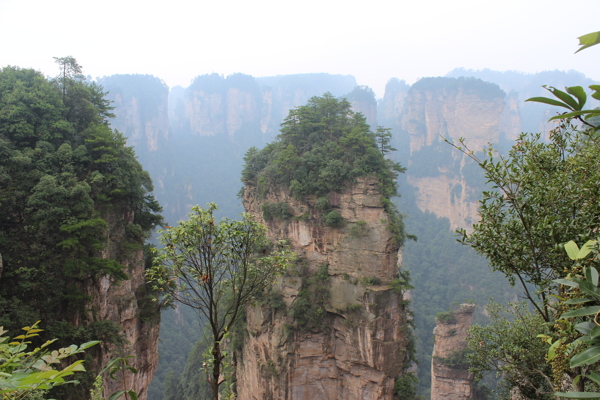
(218, 269)
(67, 183)
(324, 147)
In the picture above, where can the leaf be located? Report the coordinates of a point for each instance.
(596, 89)
(586, 357)
(581, 312)
(551, 102)
(572, 114)
(552, 349)
(116, 395)
(585, 250)
(133, 395)
(588, 40)
(574, 105)
(591, 274)
(566, 282)
(585, 327)
(578, 92)
(594, 377)
(578, 395)
(595, 332)
(572, 249)
(578, 301)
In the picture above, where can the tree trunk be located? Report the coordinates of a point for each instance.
(216, 372)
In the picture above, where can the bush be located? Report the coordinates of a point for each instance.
(446, 317)
(273, 211)
(334, 219)
(360, 229)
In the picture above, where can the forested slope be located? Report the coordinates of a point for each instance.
(76, 210)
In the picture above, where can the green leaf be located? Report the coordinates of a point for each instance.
(596, 89)
(581, 312)
(551, 102)
(586, 357)
(594, 376)
(566, 282)
(578, 395)
(572, 249)
(578, 92)
(591, 273)
(574, 105)
(595, 332)
(578, 301)
(586, 249)
(585, 327)
(588, 40)
(116, 395)
(572, 114)
(133, 395)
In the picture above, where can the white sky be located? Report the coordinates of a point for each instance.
(374, 40)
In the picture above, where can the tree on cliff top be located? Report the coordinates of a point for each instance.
(322, 148)
(218, 269)
(66, 179)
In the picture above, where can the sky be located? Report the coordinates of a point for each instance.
(374, 40)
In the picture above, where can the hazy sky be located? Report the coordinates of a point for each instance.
(374, 40)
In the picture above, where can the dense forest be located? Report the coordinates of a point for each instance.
(66, 181)
(78, 206)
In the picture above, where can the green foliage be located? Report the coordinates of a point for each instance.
(509, 347)
(116, 365)
(273, 211)
(457, 359)
(574, 100)
(24, 372)
(218, 269)
(588, 40)
(405, 387)
(370, 281)
(359, 229)
(536, 206)
(447, 317)
(66, 182)
(323, 147)
(334, 219)
(322, 204)
(308, 309)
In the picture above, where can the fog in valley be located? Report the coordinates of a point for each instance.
(213, 99)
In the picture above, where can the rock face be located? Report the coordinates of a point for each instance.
(127, 304)
(450, 377)
(357, 346)
(436, 108)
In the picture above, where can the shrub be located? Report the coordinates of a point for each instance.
(446, 317)
(334, 219)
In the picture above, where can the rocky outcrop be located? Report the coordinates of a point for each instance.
(353, 342)
(450, 377)
(126, 303)
(140, 106)
(446, 108)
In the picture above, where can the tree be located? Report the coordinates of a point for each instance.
(70, 71)
(218, 269)
(544, 195)
(383, 136)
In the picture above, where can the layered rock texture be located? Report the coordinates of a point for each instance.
(128, 304)
(337, 330)
(446, 108)
(450, 377)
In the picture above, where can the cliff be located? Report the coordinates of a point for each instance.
(126, 303)
(450, 377)
(337, 330)
(447, 108)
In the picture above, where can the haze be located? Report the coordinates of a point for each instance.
(374, 41)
